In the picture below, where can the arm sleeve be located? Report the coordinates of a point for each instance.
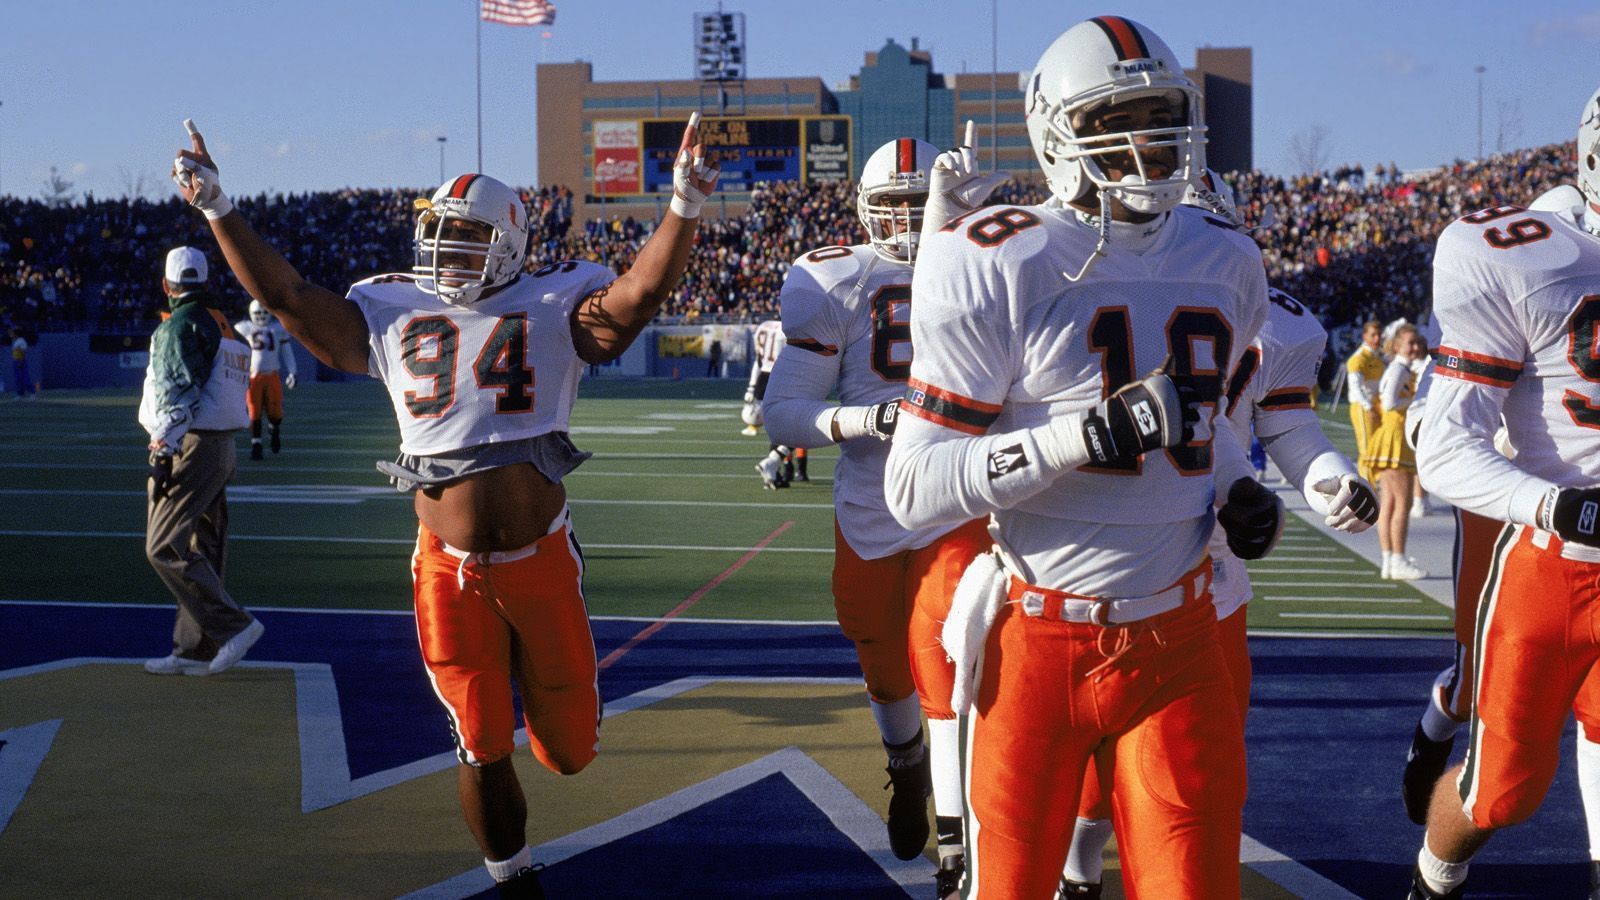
(1358, 388)
(1394, 379)
(796, 409)
(1481, 356)
(182, 356)
(1228, 459)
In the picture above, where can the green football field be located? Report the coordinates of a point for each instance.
(668, 505)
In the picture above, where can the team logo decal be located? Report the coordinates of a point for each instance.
(1007, 460)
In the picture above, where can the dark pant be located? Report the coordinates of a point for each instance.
(186, 542)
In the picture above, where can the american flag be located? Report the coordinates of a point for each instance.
(518, 12)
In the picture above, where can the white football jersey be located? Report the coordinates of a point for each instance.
(1005, 342)
(502, 369)
(850, 310)
(269, 347)
(1517, 293)
(769, 343)
(1272, 387)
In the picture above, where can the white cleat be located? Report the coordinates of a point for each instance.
(770, 470)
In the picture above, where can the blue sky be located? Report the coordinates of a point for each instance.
(316, 94)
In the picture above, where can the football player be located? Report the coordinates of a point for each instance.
(272, 368)
(1070, 357)
(777, 467)
(1450, 698)
(482, 362)
(1271, 391)
(1513, 291)
(846, 319)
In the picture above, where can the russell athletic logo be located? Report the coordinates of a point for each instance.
(1007, 460)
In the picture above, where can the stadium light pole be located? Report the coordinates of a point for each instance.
(442, 139)
(994, 83)
(1480, 70)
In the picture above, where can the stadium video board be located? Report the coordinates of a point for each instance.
(634, 157)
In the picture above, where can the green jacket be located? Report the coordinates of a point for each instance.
(183, 350)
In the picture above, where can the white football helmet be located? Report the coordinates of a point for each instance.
(1213, 194)
(1101, 61)
(475, 198)
(1589, 160)
(259, 315)
(895, 174)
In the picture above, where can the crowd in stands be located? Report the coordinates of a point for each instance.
(1349, 246)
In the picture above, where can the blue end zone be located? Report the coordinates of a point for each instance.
(1329, 726)
(764, 840)
(1330, 722)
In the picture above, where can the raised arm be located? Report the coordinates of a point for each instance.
(330, 326)
(607, 320)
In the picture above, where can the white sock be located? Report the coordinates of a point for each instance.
(500, 870)
(1086, 854)
(944, 746)
(1440, 876)
(899, 721)
(1589, 787)
(1437, 725)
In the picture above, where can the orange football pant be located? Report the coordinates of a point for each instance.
(934, 673)
(1537, 643)
(873, 600)
(487, 618)
(1158, 692)
(1096, 800)
(266, 393)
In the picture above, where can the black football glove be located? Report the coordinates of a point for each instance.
(880, 419)
(1159, 411)
(1252, 518)
(1572, 513)
(160, 472)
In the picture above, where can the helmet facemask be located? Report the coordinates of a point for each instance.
(892, 216)
(458, 284)
(1067, 137)
(1589, 163)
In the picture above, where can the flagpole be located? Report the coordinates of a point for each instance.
(480, 92)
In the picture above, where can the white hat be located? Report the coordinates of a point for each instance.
(186, 265)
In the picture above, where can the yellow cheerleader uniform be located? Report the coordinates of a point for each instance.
(1386, 447)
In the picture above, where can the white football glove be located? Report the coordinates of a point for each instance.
(288, 381)
(955, 186)
(1352, 503)
(692, 180)
(196, 176)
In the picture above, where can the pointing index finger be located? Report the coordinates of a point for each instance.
(971, 131)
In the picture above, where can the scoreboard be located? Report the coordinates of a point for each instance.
(636, 156)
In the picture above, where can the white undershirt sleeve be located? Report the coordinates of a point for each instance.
(796, 409)
(1457, 460)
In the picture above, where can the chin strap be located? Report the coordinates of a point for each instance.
(1100, 246)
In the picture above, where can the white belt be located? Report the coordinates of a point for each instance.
(1105, 610)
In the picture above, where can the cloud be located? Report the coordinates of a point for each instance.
(279, 151)
(1583, 28)
(1401, 64)
(78, 169)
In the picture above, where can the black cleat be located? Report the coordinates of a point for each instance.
(1425, 762)
(1077, 890)
(522, 886)
(255, 450)
(947, 879)
(908, 807)
(1421, 891)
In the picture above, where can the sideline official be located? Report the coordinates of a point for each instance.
(194, 400)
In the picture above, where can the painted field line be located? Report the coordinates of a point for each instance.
(581, 473)
(1376, 585)
(354, 611)
(1306, 599)
(1290, 558)
(695, 597)
(1355, 568)
(1291, 615)
(408, 542)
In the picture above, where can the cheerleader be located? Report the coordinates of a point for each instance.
(1388, 457)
